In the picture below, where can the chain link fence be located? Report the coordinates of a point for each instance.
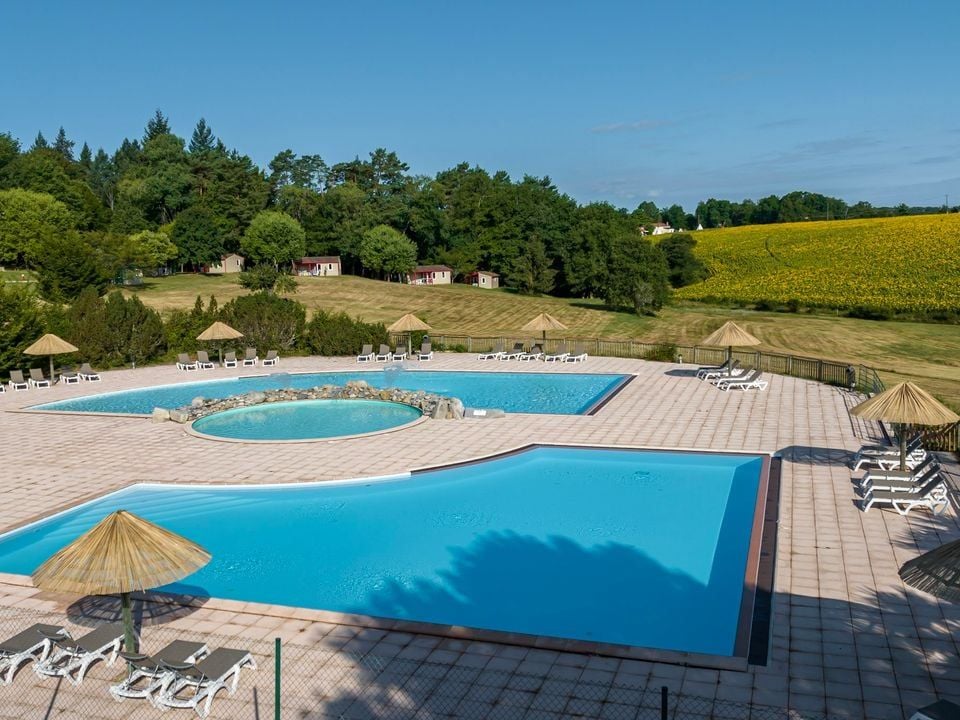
(301, 681)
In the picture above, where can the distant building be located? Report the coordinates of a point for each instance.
(320, 266)
(430, 275)
(483, 279)
(662, 228)
(228, 264)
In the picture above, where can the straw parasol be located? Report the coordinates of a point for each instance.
(936, 572)
(219, 331)
(905, 404)
(120, 554)
(409, 324)
(729, 335)
(543, 322)
(50, 345)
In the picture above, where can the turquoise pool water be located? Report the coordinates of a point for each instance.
(306, 419)
(635, 547)
(550, 393)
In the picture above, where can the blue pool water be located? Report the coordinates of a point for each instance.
(306, 419)
(551, 393)
(624, 546)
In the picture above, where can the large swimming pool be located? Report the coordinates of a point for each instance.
(635, 547)
(551, 393)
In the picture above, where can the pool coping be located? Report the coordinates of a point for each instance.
(752, 637)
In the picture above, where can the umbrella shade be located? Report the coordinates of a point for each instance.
(408, 323)
(50, 345)
(906, 404)
(729, 335)
(936, 572)
(542, 323)
(219, 331)
(120, 554)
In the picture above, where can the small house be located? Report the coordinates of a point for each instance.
(319, 266)
(430, 275)
(484, 279)
(228, 264)
(662, 228)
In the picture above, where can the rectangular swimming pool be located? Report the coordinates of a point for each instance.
(637, 548)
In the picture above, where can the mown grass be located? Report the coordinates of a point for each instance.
(926, 353)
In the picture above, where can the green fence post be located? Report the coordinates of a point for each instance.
(276, 679)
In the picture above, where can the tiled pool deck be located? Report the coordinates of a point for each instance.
(848, 638)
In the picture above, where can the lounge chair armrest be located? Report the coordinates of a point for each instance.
(134, 658)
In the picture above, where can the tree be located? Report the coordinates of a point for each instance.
(531, 273)
(266, 320)
(9, 148)
(202, 140)
(268, 279)
(63, 146)
(636, 275)
(676, 216)
(685, 267)
(198, 237)
(388, 252)
(158, 184)
(275, 238)
(27, 220)
(66, 265)
(156, 126)
(150, 249)
(40, 142)
(647, 212)
(86, 158)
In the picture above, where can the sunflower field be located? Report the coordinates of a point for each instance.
(899, 265)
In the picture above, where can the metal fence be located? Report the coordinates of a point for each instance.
(299, 680)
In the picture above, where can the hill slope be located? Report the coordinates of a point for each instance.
(904, 264)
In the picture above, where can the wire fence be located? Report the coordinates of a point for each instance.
(300, 680)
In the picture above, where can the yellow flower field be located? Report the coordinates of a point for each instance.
(903, 264)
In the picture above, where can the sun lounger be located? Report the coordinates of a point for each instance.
(884, 454)
(68, 376)
(203, 360)
(932, 495)
(250, 357)
(559, 356)
(366, 354)
(88, 374)
(201, 682)
(230, 359)
(185, 363)
(750, 381)
(37, 379)
(578, 355)
(72, 658)
(712, 373)
(535, 354)
(3, 388)
(494, 354)
(886, 463)
(17, 381)
(272, 358)
(513, 354)
(34, 643)
(899, 482)
(399, 354)
(147, 672)
(384, 354)
(426, 352)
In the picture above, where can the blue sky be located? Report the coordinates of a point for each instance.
(619, 101)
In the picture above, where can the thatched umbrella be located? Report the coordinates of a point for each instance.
(936, 572)
(219, 331)
(409, 324)
(120, 554)
(543, 322)
(50, 345)
(729, 335)
(905, 404)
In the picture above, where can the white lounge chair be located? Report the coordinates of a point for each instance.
(494, 354)
(710, 373)
(884, 453)
(147, 672)
(899, 481)
(750, 381)
(933, 496)
(578, 355)
(203, 360)
(201, 682)
(230, 359)
(34, 643)
(366, 354)
(881, 463)
(88, 374)
(399, 354)
(72, 658)
(68, 376)
(559, 355)
(37, 379)
(535, 353)
(17, 381)
(185, 363)
(514, 354)
(426, 352)
(384, 354)
(272, 358)
(250, 358)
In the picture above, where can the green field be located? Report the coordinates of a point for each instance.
(927, 353)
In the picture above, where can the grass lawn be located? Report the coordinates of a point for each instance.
(926, 353)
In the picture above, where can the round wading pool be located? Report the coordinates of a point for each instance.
(305, 420)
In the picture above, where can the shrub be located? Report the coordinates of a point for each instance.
(664, 352)
(65, 266)
(339, 334)
(182, 327)
(22, 323)
(115, 330)
(266, 321)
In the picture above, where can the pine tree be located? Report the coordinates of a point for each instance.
(40, 143)
(156, 126)
(62, 145)
(202, 140)
(86, 157)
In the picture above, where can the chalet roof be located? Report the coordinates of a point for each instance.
(486, 272)
(432, 268)
(321, 259)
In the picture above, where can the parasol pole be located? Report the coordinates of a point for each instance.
(126, 613)
(903, 447)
